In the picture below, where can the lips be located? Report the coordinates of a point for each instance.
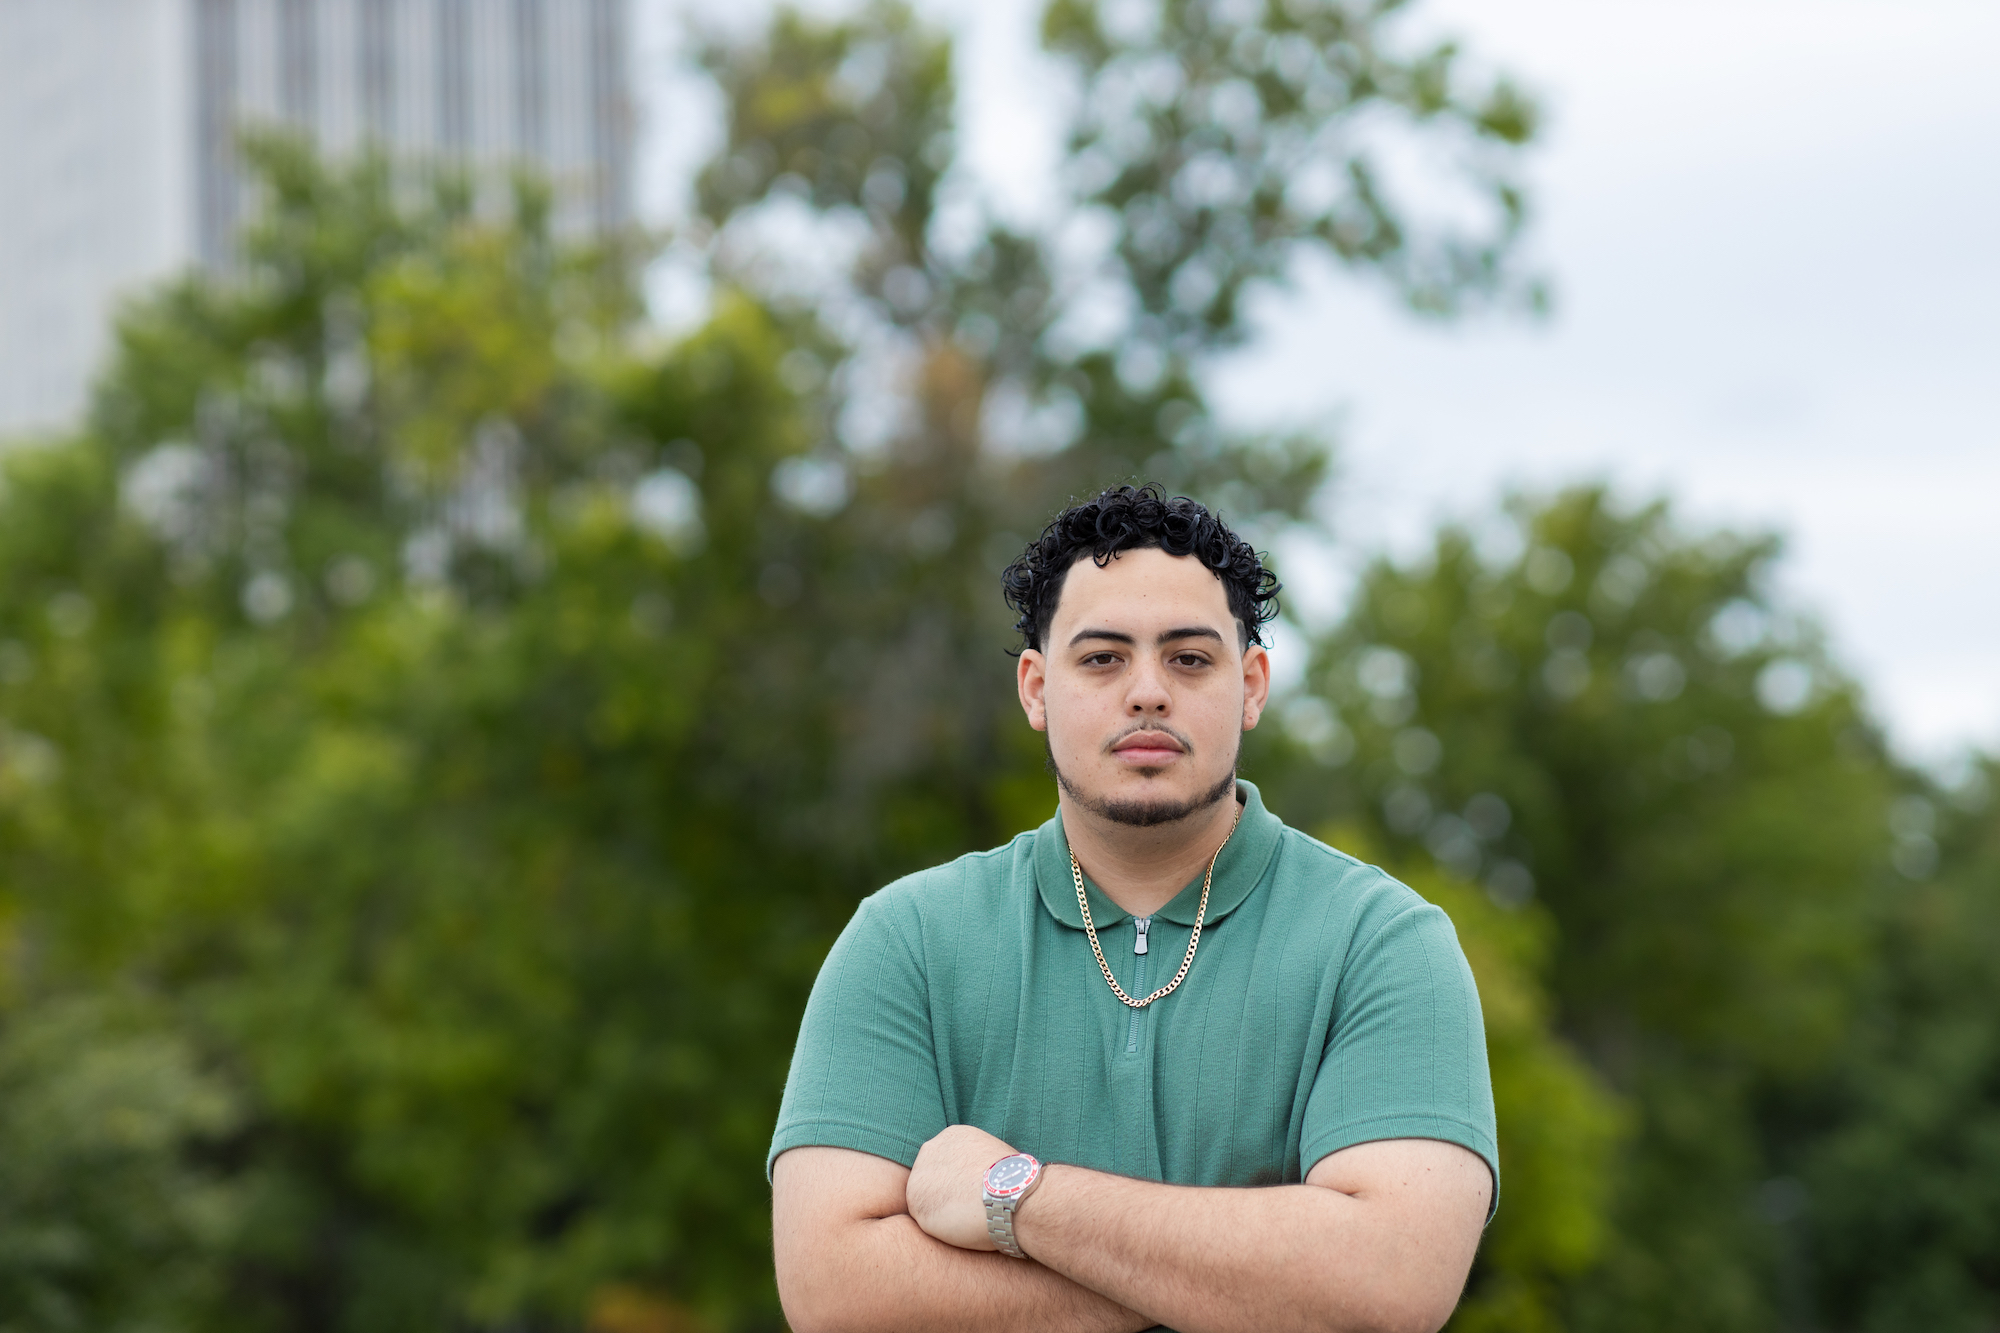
(1148, 749)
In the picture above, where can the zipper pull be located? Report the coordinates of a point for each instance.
(1144, 923)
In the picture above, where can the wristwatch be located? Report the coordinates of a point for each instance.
(1008, 1181)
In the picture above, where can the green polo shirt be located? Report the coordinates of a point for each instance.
(1328, 1005)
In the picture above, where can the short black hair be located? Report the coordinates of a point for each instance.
(1132, 518)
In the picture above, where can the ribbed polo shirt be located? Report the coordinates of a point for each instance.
(1328, 1005)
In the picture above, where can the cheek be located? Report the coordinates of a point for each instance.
(1071, 715)
(1221, 712)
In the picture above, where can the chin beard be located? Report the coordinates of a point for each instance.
(1145, 814)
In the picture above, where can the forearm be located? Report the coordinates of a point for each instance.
(1298, 1257)
(885, 1275)
(1378, 1239)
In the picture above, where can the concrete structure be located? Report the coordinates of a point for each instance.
(118, 121)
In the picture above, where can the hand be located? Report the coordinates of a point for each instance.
(946, 1189)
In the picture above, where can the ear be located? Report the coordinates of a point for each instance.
(1256, 684)
(1031, 678)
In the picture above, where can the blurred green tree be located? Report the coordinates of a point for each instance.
(369, 748)
(1211, 145)
(104, 1221)
(1895, 1200)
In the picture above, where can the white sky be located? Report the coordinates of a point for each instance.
(1770, 226)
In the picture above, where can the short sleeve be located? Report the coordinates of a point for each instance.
(1406, 1051)
(864, 1073)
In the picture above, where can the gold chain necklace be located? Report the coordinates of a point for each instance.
(1090, 927)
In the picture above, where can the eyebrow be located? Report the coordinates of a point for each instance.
(1166, 636)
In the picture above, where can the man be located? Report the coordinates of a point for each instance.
(1161, 1062)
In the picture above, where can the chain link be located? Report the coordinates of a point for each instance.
(1090, 927)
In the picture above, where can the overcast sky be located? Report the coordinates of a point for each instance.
(1770, 226)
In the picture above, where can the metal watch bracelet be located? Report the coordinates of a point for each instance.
(1003, 1198)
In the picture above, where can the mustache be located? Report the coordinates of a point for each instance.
(1186, 742)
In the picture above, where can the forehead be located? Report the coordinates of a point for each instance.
(1146, 589)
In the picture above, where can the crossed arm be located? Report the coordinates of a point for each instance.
(1379, 1237)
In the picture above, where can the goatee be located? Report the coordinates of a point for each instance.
(1146, 814)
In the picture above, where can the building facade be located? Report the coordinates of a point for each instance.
(119, 122)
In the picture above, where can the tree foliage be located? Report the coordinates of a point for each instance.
(1893, 1205)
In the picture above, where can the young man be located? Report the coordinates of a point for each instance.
(1161, 1062)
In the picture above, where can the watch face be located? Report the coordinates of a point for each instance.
(1011, 1175)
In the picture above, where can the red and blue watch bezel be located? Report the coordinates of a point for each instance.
(1016, 1190)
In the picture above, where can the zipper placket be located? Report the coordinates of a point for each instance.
(1141, 927)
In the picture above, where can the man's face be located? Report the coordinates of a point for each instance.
(1142, 688)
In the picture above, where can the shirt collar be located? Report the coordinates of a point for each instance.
(1238, 870)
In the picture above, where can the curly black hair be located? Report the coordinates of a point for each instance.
(1131, 518)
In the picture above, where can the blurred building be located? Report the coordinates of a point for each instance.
(118, 121)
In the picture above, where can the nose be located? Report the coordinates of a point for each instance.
(1148, 695)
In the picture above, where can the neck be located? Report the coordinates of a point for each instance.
(1141, 869)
